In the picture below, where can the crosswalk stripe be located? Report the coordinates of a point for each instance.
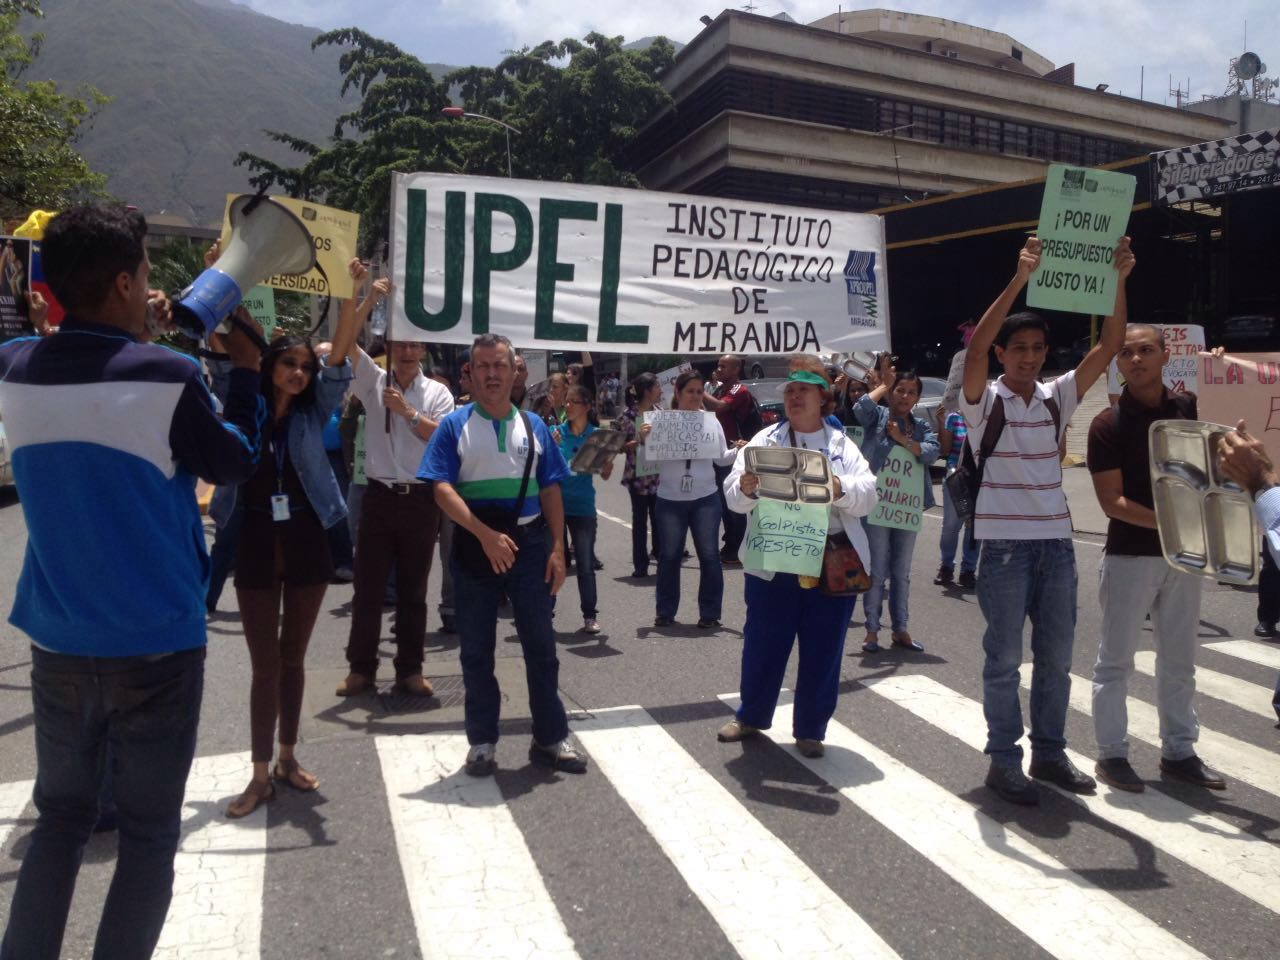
(1248, 650)
(1065, 914)
(1221, 686)
(1233, 757)
(769, 904)
(1248, 864)
(474, 888)
(219, 871)
(13, 800)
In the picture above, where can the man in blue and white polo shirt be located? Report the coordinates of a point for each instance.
(1028, 565)
(477, 459)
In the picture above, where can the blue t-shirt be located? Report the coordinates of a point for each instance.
(483, 458)
(578, 490)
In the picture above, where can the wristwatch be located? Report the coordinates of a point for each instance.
(417, 415)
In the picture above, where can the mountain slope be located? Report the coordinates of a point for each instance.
(195, 83)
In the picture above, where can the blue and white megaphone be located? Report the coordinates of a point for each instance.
(267, 240)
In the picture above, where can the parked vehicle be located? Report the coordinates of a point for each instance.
(768, 394)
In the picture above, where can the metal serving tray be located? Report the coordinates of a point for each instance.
(1205, 521)
(789, 473)
(600, 448)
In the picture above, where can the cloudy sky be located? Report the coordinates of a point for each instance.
(1109, 42)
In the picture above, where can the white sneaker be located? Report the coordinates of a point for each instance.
(590, 625)
(482, 760)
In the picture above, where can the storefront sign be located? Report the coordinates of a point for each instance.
(1219, 167)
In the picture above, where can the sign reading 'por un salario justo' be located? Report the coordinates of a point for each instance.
(566, 266)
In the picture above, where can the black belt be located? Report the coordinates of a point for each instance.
(404, 489)
(537, 523)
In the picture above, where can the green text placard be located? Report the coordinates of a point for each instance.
(787, 537)
(899, 491)
(1083, 215)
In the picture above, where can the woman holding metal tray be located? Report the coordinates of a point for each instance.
(782, 607)
(889, 427)
(688, 503)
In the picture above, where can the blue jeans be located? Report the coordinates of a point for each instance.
(146, 712)
(780, 613)
(583, 532)
(643, 510)
(1021, 579)
(891, 551)
(674, 519)
(477, 621)
(952, 524)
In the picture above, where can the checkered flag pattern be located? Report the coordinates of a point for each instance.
(1246, 162)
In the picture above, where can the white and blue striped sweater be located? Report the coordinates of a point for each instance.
(107, 436)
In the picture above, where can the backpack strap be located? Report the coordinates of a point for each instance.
(995, 427)
(1056, 413)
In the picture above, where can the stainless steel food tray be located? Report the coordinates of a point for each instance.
(791, 474)
(1205, 521)
(598, 449)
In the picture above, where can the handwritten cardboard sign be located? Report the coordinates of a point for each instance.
(1243, 386)
(787, 537)
(899, 492)
(683, 435)
(1083, 215)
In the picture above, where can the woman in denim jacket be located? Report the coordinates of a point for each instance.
(283, 564)
(886, 427)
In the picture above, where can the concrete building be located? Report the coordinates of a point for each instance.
(871, 108)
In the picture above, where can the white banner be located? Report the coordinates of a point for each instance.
(682, 435)
(570, 267)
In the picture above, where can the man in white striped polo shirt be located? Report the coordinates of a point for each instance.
(1028, 566)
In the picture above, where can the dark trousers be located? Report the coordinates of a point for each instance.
(146, 712)
(643, 509)
(779, 613)
(397, 528)
(1268, 590)
(222, 556)
(340, 544)
(477, 618)
(735, 524)
(277, 651)
(583, 530)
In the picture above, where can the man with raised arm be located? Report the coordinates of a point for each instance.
(1028, 567)
(398, 520)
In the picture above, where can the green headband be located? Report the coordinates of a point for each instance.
(807, 376)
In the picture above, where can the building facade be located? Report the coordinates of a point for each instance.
(872, 108)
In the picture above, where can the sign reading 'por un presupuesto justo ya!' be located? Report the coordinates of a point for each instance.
(566, 266)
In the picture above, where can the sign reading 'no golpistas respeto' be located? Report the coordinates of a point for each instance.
(573, 267)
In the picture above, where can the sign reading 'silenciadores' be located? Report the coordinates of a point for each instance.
(566, 266)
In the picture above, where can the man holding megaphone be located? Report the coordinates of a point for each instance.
(109, 434)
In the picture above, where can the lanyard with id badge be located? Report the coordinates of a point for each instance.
(686, 482)
(280, 446)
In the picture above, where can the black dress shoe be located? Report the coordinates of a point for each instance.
(1011, 784)
(968, 579)
(1266, 631)
(1063, 773)
(664, 621)
(1192, 770)
(1116, 772)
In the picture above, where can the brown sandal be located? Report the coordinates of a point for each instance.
(255, 794)
(291, 772)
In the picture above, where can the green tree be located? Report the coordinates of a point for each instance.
(39, 165)
(574, 121)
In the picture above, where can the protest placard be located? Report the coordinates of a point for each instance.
(667, 380)
(1083, 215)
(1181, 374)
(899, 492)
(683, 435)
(787, 537)
(333, 232)
(39, 284)
(1243, 386)
(644, 466)
(260, 301)
(857, 434)
(631, 271)
(15, 273)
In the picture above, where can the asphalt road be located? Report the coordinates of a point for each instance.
(674, 845)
